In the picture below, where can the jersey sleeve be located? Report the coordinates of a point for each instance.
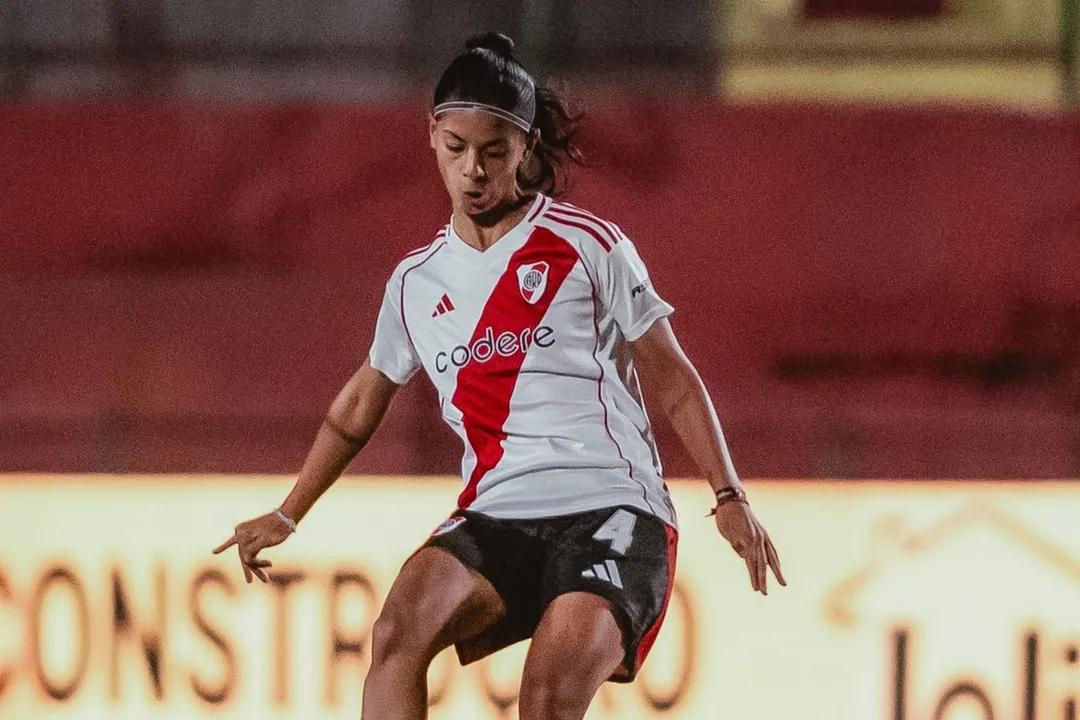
(392, 352)
(627, 291)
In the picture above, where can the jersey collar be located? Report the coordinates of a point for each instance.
(505, 245)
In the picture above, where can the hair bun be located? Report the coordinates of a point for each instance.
(496, 42)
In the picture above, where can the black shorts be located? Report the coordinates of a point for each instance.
(619, 553)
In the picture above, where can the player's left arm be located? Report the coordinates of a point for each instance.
(670, 380)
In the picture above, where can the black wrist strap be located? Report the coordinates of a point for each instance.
(728, 494)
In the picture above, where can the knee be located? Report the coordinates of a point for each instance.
(561, 690)
(399, 634)
(553, 696)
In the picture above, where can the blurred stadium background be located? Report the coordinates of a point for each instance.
(866, 212)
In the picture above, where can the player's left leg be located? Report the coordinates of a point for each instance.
(576, 647)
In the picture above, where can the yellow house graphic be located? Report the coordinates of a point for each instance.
(975, 617)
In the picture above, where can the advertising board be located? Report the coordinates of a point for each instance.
(906, 601)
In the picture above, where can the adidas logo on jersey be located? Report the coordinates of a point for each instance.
(488, 345)
(443, 307)
(607, 571)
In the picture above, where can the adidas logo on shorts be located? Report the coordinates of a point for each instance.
(607, 571)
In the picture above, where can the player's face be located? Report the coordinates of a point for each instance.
(479, 155)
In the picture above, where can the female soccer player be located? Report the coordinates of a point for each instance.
(535, 321)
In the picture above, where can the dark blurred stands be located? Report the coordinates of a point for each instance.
(201, 200)
(867, 291)
(342, 49)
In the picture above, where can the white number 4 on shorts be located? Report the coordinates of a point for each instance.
(619, 530)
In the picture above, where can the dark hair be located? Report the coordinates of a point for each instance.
(487, 72)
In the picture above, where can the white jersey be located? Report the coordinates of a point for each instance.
(526, 343)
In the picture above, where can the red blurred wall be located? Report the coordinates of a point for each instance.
(887, 292)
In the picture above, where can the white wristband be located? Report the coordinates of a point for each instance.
(285, 519)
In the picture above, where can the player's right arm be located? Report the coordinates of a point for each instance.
(352, 419)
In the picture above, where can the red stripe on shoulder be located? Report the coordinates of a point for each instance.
(609, 229)
(439, 236)
(540, 207)
(581, 226)
(571, 208)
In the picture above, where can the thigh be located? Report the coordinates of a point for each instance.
(508, 554)
(435, 602)
(626, 556)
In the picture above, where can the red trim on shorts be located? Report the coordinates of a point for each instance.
(649, 637)
(484, 388)
(580, 226)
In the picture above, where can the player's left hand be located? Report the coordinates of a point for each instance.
(251, 538)
(737, 523)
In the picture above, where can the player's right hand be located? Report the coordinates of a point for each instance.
(253, 536)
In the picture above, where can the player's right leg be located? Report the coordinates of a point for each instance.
(435, 602)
